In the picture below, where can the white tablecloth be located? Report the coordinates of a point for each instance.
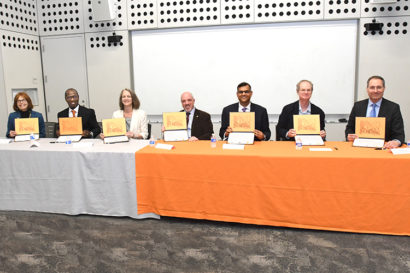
(61, 178)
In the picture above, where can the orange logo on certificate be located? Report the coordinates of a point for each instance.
(26, 126)
(306, 124)
(70, 126)
(114, 127)
(174, 120)
(370, 127)
(242, 122)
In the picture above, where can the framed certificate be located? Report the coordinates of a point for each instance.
(306, 124)
(370, 127)
(26, 126)
(242, 121)
(70, 126)
(114, 127)
(174, 121)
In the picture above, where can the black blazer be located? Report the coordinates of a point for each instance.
(89, 119)
(202, 127)
(388, 109)
(261, 119)
(285, 122)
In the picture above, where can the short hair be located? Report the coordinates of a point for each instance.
(298, 84)
(135, 100)
(244, 84)
(377, 78)
(26, 97)
(70, 89)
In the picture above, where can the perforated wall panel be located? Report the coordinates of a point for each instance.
(340, 9)
(19, 16)
(119, 23)
(237, 11)
(58, 17)
(392, 27)
(100, 40)
(142, 14)
(188, 13)
(401, 7)
(288, 10)
(19, 41)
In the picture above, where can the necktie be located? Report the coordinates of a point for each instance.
(244, 109)
(73, 111)
(373, 112)
(187, 118)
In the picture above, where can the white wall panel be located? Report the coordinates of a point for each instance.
(22, 65)
(288, 10)
(19, 16)
(108, 69)
(388, 55)
(339, 9)
(368, 9)
(237, 12)
(142, 14)
(3, 99)
(58, 17)
(188, 13)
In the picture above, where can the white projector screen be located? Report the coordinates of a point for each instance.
(211, 61)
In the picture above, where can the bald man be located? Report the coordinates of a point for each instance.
(199, 122)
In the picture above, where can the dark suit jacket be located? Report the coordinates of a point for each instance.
(388, 109)
(285, 122)
(202, 127)
(89, 119)
(261, 119)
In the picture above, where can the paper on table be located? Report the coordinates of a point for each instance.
(5, 141)
(164, 146)
(320, 149)
(401, 151)
(83, 145)
(233, 147)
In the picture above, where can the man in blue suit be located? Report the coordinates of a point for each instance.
(377, 106)
(244, 94)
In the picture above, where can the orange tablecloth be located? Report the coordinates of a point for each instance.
(270, 183)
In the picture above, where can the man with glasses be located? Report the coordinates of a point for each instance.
(377, 106)
(244, 94)
(285, 128)
(90, 125)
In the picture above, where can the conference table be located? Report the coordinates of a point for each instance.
(88, 177)
(271, 183)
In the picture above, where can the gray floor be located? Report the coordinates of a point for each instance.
(40, 242)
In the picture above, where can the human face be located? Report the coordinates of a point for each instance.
(71, 97)
(22, 104)
(375, 90)
(187, 101)
(126, 98)
(244, 94)
(305, 91)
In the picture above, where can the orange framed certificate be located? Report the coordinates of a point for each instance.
(114, 127)
(174, 120)
(242, 122)
(370, 127)
(306, 124)
(70, 126)
(26, 126)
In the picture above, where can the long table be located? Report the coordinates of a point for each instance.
(271, 183)
(62, 178)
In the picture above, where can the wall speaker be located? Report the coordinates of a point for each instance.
(103, 10)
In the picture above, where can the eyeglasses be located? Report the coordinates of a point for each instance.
(379, 87)
(71, 97)
(244, 92)
(22, 100)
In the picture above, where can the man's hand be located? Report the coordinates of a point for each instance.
(86, 133)
(192, 138)
(13, 133)
(291, 133)
(323, 133)
(351, 137)
(259, 135)
(392, 144)
(228, 131)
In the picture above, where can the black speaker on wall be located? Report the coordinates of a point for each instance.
(103, 10)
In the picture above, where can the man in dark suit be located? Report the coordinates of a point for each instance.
(199, 122)
(244, 94)
(377, 106)
(89, 120)
(285, 129)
